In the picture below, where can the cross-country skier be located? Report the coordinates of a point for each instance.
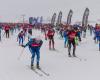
(30, 29)
(50, 35)
(65, 37)
(99, 43)
(99, 39)
(96, 32)
(34, 47)
(7, 28)
(71, 41)
(20, 38)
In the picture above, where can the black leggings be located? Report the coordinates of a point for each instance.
(51, 41)
(7, 33)
(70, 43)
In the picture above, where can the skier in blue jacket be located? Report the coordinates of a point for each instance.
(20, 38)
(99, 39)
(34, 45)
(97, 36)
(65, 38)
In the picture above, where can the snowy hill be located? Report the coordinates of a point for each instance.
(56, 63)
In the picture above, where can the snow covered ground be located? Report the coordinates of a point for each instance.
(56, 63)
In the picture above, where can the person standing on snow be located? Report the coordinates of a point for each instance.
(71, 41)
(50, 35)
(99, 39)
(20, 38)
(7, 28)
(65, 37)
(99, 43)
(96, 32)
(30, 29)
(34, 45)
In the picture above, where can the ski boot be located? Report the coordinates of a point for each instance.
(74, 54)
(38, 67)
(54, 49)
(32, 66)
(69, 55)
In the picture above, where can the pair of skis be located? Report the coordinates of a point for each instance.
(37, 71)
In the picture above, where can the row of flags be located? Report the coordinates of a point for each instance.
(57, 22)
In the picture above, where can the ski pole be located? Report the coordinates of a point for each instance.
(21, 54)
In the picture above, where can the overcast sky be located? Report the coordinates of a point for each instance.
(11, 10)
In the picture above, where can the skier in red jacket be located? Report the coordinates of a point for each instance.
(7, 28)
(50, 35)
(71, 41)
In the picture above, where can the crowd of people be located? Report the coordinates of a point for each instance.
(71, 35)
